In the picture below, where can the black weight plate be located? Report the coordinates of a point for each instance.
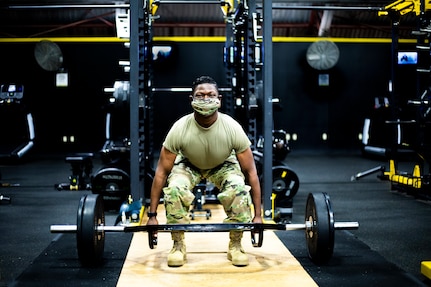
(285, 185)
(113, 184)
(111, 180)
(89, 241)
(320, 236)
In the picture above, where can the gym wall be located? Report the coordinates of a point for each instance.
(307, 109)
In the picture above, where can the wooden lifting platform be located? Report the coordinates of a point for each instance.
(207, 262)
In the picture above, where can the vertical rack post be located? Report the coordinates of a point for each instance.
(229, 61)
(241, 66)
(250, 78)
(267, 107)
(137, 57)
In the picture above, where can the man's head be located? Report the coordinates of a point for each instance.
(203, 80)
(205, 97)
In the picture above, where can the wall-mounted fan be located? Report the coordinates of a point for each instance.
(323, 55)
(48, 55)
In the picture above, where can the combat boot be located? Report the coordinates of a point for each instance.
(177, 255)
(236, 253)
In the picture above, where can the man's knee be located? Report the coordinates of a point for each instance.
(177, 203)
(236, 201)
(177, 196)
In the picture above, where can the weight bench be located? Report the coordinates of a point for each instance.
(82, 167)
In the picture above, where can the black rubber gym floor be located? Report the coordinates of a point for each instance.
(386, 250)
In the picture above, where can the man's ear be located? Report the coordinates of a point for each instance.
(191, 98)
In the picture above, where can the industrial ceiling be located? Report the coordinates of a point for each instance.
(98, 18)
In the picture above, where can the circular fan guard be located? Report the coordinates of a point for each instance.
(323, 55)
(48, 55)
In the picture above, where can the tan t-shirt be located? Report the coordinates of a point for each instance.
(206, 148)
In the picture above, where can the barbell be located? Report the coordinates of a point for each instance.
(90, 229)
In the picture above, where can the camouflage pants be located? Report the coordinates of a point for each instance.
(234, 194)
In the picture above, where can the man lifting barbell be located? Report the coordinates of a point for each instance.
(181, 172)
(212, 145)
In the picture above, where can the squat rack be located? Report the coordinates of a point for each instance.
(242, 21)
(141, 105)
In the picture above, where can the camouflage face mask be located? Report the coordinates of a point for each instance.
(206, 107)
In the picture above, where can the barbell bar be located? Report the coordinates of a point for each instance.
(90, 229)
(206, 227)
